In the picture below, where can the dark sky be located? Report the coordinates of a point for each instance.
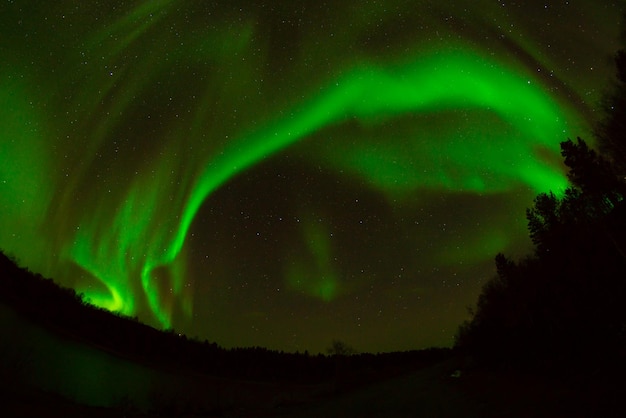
(284, 173)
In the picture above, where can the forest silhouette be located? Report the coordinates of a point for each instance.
(562, 309)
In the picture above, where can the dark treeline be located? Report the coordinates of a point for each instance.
(63, 310)
(563, 308)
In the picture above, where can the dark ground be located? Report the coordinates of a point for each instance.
(431, 392)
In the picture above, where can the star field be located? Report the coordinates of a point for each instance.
(282, 175)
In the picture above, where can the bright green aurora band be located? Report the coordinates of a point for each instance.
(126, 125)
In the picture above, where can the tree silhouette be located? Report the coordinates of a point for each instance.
(564, 303)
(340, 348)
(544, 222)
(593, 175)
(611, 131)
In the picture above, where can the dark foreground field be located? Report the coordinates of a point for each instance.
(436, 391)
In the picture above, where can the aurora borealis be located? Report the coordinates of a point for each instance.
(283, 174)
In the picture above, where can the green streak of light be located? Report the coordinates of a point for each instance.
(429, 84)
(126, 240)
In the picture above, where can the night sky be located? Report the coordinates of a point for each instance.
(283, 173)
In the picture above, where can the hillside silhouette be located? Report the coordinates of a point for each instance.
(62, 309)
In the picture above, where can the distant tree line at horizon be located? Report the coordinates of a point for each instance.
(42, 301)
(564, 306)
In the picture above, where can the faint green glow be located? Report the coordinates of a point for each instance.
(314, 274)
(470, 249)
(127, 29)
(25, 182)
